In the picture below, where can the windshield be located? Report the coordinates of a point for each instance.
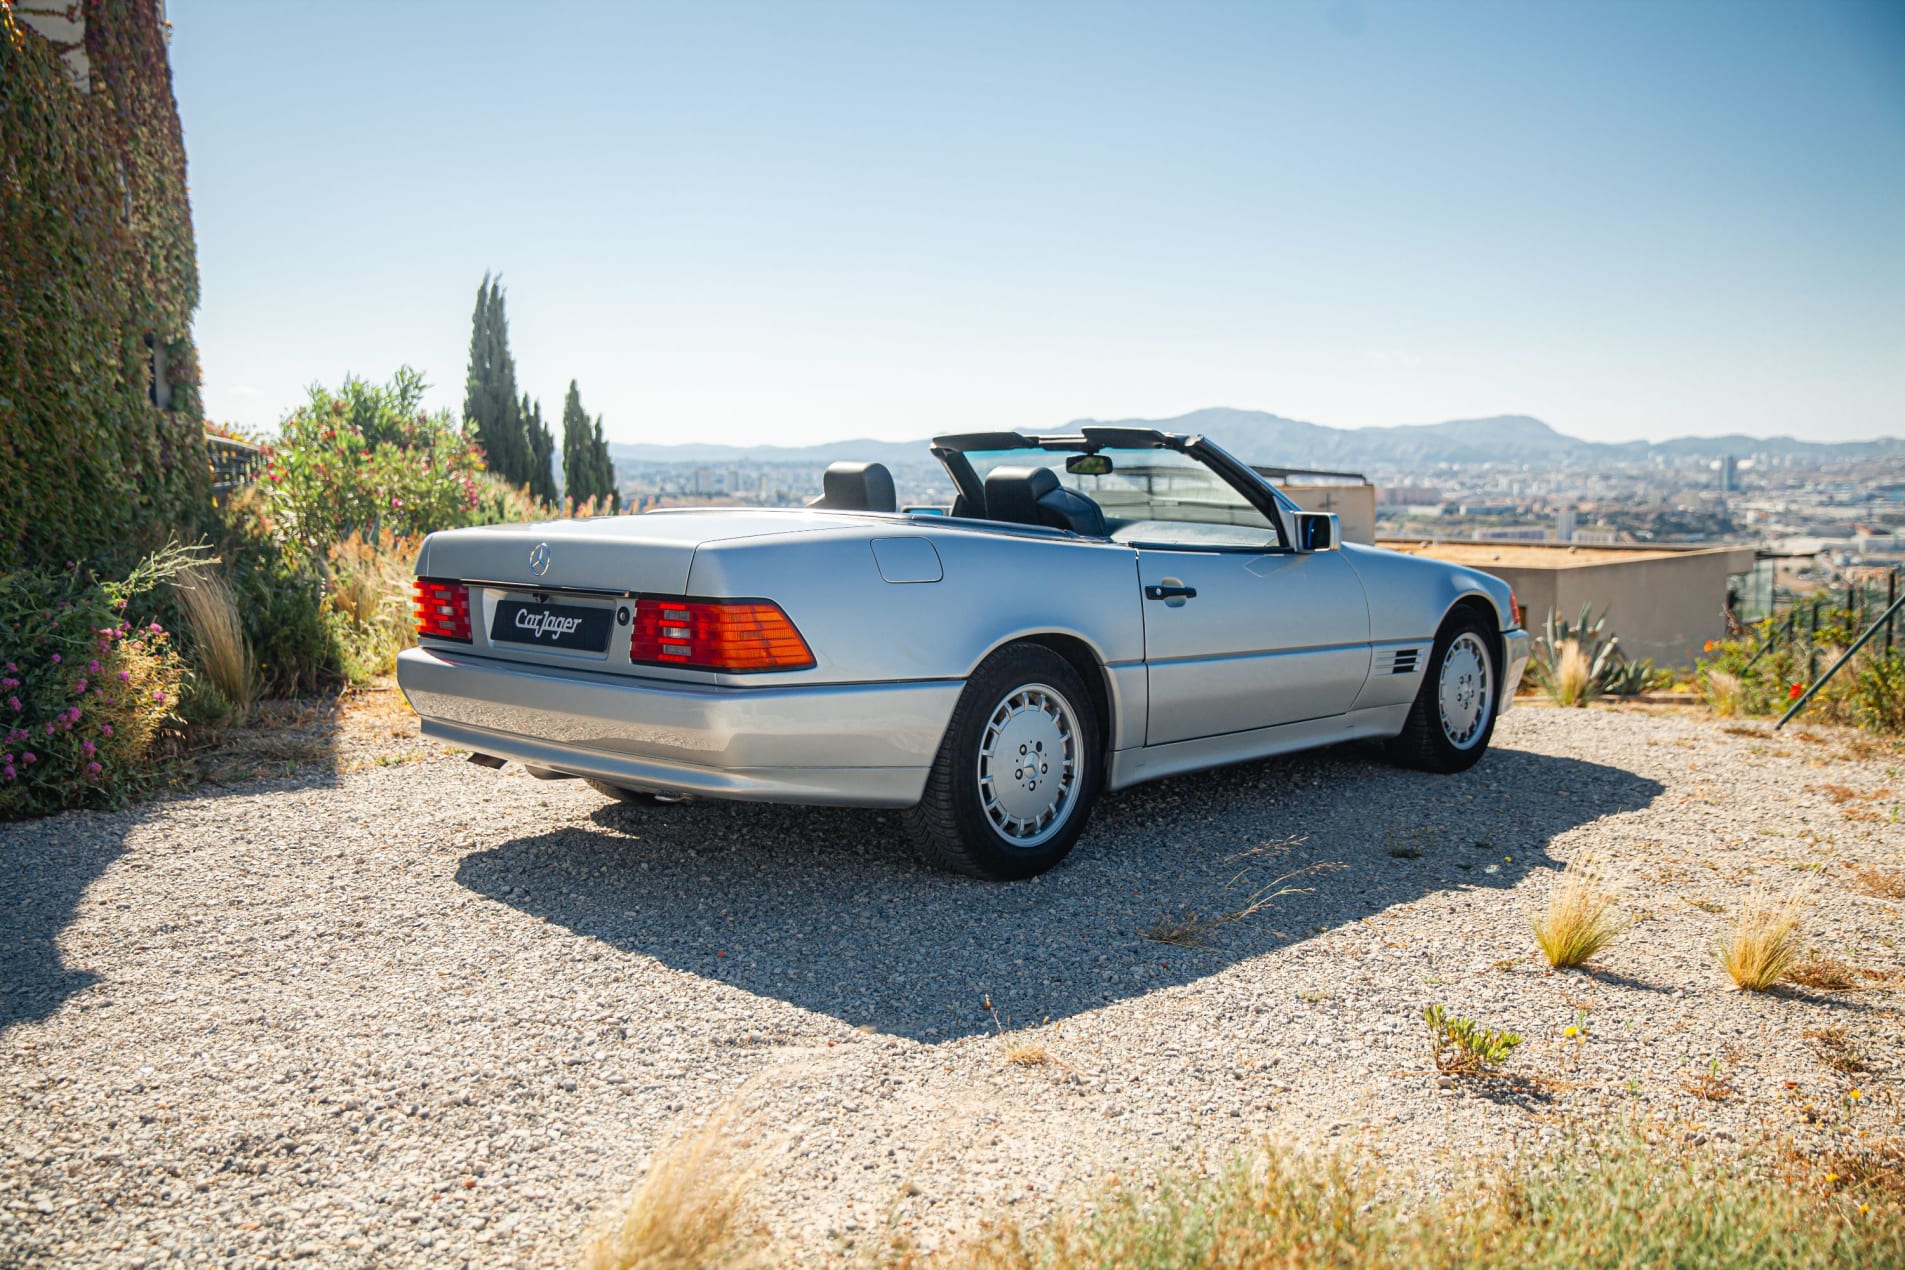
(1159, 497)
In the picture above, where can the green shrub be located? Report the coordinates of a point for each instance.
(367, 460)
(87, 688)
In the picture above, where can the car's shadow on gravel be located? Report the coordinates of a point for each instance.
(826, 910)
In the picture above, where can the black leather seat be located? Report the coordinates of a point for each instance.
(1033, 496)
(857, 487)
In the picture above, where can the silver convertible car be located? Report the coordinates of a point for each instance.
(1093, 610)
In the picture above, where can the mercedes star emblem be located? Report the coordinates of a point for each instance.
(539, 559)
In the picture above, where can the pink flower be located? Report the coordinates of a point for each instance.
(15, 703)
(158, 696)
(88, 748)
(125, 676)
(56, 659)
(12, 669)
(29, 757)
(93, 769)
(105, 729)
(92, 667)
(10, 773)
(156, 629)
(79, 685)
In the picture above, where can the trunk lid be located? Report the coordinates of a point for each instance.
(647, 554)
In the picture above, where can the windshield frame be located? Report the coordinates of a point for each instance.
(1275, 506)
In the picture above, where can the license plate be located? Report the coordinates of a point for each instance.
(567, 626)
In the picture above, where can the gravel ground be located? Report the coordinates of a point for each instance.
(430, 1014)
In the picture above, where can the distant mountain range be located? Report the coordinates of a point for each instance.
(1271, 439)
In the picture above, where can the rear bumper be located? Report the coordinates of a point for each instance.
(855, 745)
(1515, 653)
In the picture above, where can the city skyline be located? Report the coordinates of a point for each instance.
(755, 225)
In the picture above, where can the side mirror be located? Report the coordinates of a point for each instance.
(1318, 531)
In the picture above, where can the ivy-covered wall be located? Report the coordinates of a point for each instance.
(96, 255)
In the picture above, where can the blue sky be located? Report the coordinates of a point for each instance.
(807, 221)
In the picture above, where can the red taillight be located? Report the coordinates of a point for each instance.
(1514, 612)
(443, 610)
(716, 635)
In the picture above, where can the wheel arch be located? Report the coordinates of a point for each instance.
(1484, 609)
(1083, 657)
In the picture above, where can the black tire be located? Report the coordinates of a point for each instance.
(1426, 741)
(623, 794)
(952, 827)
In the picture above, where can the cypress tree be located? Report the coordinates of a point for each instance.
(542, 476)
(490, 405)
(605, 471)
(578, 481)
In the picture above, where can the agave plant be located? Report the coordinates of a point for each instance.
(1575, 662)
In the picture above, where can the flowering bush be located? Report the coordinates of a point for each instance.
(1868, 693)
(86, 688)
(365, 460)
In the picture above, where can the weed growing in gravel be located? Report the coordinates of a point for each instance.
(1826, 973)
(1462, 1047)
(1886, 884)
(1710, 1085)
(1580, 919)
(1188, 927)
(1018, 1048)
(689, 1209)
(1764, 944)
(1406, 846)
(1836, 1048)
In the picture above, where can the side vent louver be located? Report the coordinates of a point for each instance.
(1405, 662)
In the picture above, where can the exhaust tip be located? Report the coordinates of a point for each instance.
(486, 760)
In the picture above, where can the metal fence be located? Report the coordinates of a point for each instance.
(234, 464)
(1832, 618)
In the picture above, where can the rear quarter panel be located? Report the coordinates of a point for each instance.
(994, 588)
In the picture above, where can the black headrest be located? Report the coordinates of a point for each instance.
(857, 487)
(1068, 509)
(1012, 493)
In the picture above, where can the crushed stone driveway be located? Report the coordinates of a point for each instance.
(435, 1015)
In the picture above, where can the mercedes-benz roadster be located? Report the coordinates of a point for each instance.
(1092, 610)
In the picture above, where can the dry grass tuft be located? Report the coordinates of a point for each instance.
(1837, 1049)
(1764, 944)
(1021, 1052)
(1726, 697)
(1580, 919)
(218, 636)
(1573, 680)
(689, 1209)
(1886, 884)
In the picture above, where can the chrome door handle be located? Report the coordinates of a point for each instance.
(1170, 593)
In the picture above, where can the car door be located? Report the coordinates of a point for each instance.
(1241, 639)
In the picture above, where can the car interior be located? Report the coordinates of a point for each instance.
(1141, 503)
